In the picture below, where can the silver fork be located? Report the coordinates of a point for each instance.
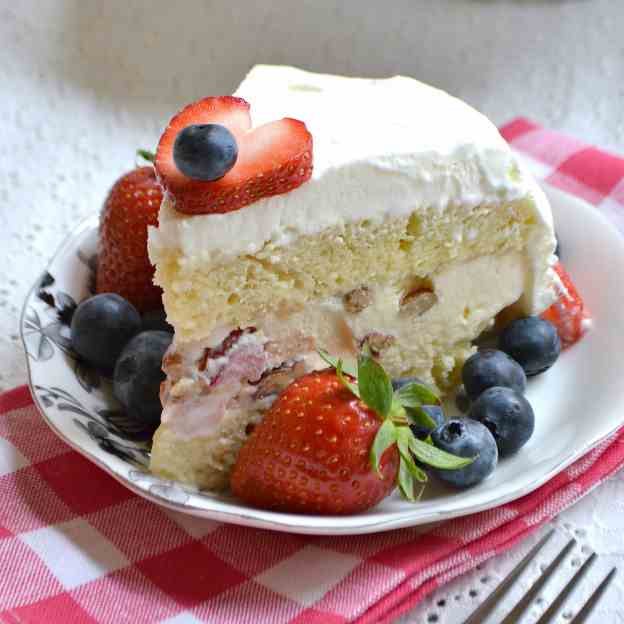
(519, 609)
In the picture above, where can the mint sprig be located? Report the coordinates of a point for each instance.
(385, 438)
(374, 385)
(429, 454)
(409, 472)
(418, 416)
(415, 394)
(344, 381)
(397, 410)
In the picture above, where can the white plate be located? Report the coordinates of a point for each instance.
(577, 403)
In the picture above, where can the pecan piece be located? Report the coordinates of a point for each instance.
(419, 302)
(377, 342)
(358, 299)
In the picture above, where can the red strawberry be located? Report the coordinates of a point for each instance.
(122, 263)
(323, 449)
(568, 314)
(272, 159)
(311, 452)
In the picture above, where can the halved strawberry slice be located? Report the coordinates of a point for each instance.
(568, 314)
(272, 159)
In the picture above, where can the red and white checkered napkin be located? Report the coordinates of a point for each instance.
(76, 546)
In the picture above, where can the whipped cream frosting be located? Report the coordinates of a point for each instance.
(382, 148)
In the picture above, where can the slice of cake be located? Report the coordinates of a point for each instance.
(414, 230)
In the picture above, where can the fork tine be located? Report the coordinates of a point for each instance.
(526, 600)
(588, 607)
(483, 610)
(566, 591)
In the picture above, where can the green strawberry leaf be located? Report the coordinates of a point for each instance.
(344, 381)
(375, 385)
(404, 435)
(406, 482)
(386, 436)
(415, 395)
(403, 441)
(418, 416)
(429, 454)
(347, 368)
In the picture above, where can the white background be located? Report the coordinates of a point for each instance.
(83, 83)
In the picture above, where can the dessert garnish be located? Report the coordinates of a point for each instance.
(210, 160)
(490, 367)
(205, 151)
(338, 441)
(465, 437)
(122, 263)
(138, 375)
(101, 327)
(508, 416)
(533, 342)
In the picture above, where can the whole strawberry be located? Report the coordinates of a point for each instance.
(329, 446)
(123, 266)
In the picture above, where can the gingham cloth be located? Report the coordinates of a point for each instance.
(76, 546)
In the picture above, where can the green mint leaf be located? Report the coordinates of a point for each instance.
(347, 368)
(415, 395)
(429, 454)
(145, 155)
(418, 416)
(375, 385)
(385, 438)
(406, 482)
(404, 435)
(398, 413)
(418, 473)
(344, 381)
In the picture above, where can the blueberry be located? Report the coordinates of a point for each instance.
(488, 368)
(533, 342)
(466, 438)
(205, 152)
(437, 415)
(399, 382)
(156, 320)
(138, 375)
(508, 415)
(101, 327)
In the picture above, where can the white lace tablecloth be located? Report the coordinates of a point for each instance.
(86, 82)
